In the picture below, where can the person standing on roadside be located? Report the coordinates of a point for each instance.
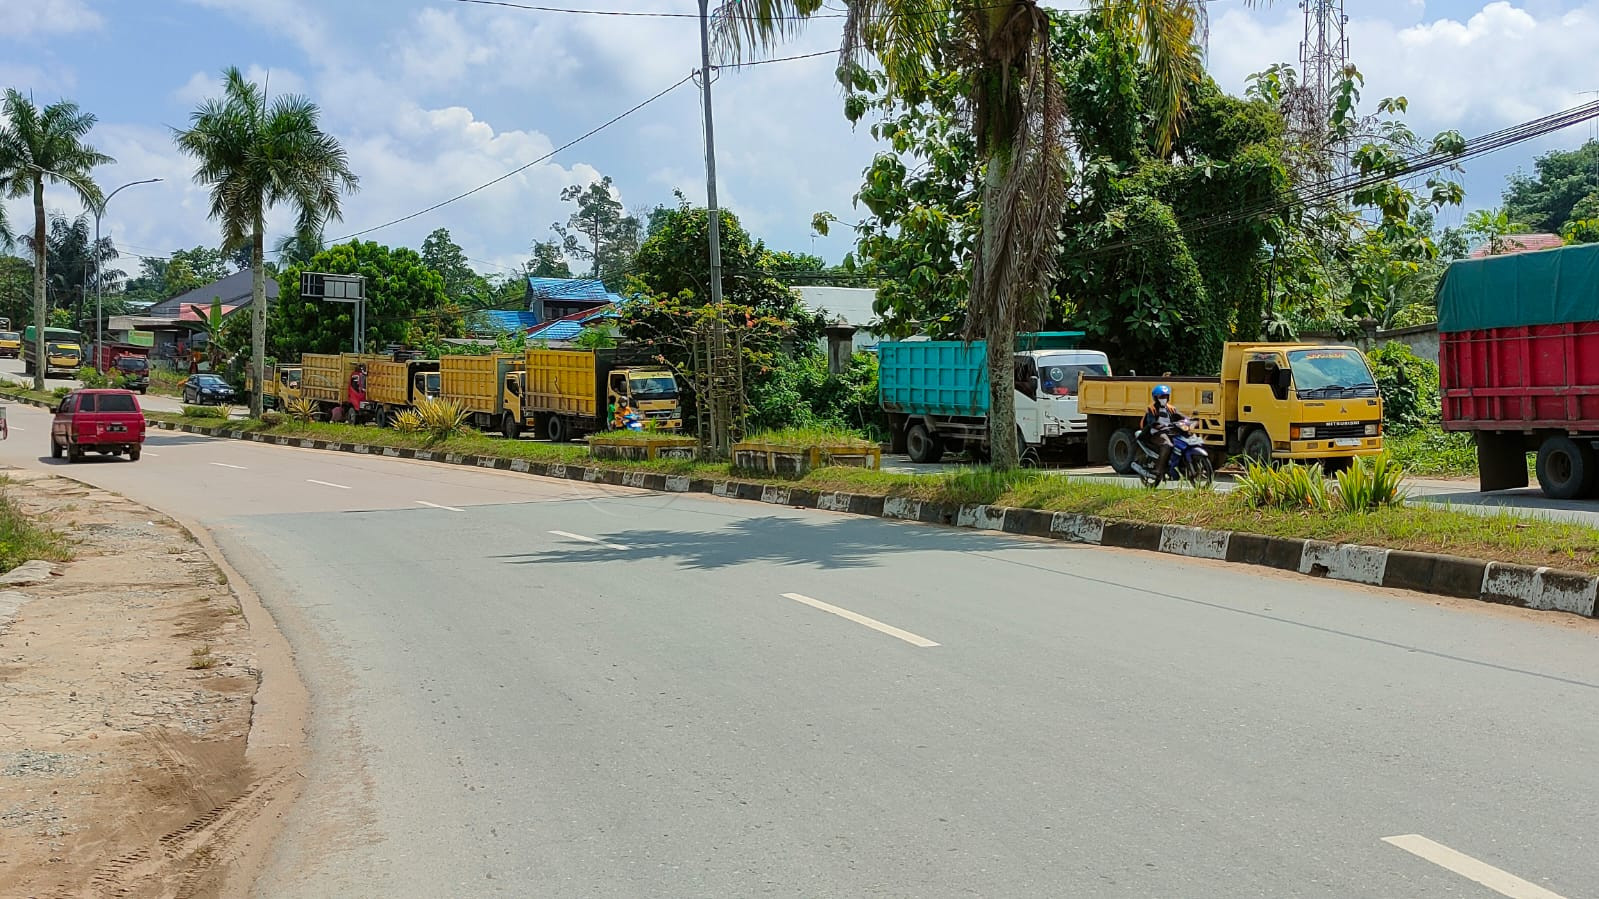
(356, 395)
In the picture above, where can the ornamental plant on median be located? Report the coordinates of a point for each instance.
(1499, 537)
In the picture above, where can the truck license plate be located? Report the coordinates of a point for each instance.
(1346, 443)
(116, 428)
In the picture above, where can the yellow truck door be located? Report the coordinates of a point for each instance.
(1263, 403)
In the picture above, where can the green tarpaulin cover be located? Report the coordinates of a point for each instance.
(1549, 287)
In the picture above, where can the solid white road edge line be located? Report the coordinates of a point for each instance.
(423, 502)
(226, 465)
(583, 539)
(325, 483)
(872, 623)
(1501, 882)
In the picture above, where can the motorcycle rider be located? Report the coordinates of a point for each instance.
(1159, 419)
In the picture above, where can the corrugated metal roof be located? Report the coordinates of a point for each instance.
(234, 290)
(509, 320)
(575, 289)
(567, 327)
(1520, 243)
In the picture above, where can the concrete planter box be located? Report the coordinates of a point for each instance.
(796, 461)
(685, 448)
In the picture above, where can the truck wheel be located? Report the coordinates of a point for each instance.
(1501, 461)
(1257, 446)
(1122, 449)
(510, 427)
(922, 446)
(555, 429)
(134, 452)
(1566, 469)
(55, 449)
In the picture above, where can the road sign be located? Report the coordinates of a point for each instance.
(332, 288)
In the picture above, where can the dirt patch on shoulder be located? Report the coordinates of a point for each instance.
(127, 684)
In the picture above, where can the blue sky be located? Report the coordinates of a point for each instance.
(433, 97)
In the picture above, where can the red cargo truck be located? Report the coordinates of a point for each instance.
(1518, 359)
(127, 364)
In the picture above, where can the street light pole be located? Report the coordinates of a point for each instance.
(99, 312)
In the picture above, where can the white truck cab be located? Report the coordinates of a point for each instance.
(1046, 393)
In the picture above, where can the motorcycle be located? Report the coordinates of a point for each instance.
(1189, 460)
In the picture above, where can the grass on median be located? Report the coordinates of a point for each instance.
(1500, 537)
(801, 438)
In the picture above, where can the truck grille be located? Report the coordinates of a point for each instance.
(1338, 430)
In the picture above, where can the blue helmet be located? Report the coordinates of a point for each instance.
(1161, 392)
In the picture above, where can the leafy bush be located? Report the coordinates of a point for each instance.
(1409, 385)
(272, 418)
(441, 419)
(409, 421)
(799, 392)
(60, 393)
(1436, 452)
(90, 377)
(1291, 486)
(205, 412)
(301, 409)
(1370, 484)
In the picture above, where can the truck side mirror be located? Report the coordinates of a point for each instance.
(1281, 380)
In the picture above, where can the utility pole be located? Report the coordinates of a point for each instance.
(717, 398)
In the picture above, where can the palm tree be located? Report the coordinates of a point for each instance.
(254, 155)
(38, 146)
(1016, 115)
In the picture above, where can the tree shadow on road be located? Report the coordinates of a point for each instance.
(774, 540)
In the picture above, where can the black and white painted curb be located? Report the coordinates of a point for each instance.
(1443, 575)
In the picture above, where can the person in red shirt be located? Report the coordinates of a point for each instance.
(356, 395)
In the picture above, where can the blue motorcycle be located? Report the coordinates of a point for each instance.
(1189, 460)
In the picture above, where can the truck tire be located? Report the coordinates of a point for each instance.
(1566, 469)
(55, 449)
(134, 452)
(557, 429)
(923, 446)
(1257, 446)
(510, 428)
(1122, 449)
(1501, 461)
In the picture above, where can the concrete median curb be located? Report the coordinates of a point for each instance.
(1544, 589)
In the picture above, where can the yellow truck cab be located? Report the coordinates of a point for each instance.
(1272, 401)
(650, 391)
(10, 344)
(488, 387)
(282, 386)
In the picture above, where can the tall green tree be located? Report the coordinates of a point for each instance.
(464, 286)
(406, 303)
(1017, 121)
(16, 289)
(1563, 187)
(600, 231)
(76, 263)
(549, 261)
(181, 272)
(255, 154)
(39, 146)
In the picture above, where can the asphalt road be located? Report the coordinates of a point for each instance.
(11, 369)
(540, 688)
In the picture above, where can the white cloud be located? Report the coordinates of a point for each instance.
(30, 18)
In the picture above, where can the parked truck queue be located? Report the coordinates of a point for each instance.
(555, 394)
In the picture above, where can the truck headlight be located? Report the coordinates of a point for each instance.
(1307, 432)
(1373, 429)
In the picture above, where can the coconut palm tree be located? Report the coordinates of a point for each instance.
(1015, 113)
(255, 154)
(39, 146)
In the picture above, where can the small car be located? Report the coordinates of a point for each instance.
(108, 422)
(207, 390)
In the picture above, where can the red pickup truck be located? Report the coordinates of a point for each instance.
(104, 421)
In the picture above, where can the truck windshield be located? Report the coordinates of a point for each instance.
(63, 349)
(133, 363)
(10, 335)
(654, 387)
(1057, 375)
(1331, 372)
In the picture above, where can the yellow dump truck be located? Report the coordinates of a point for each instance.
(325, 377)
(488, 387)
(568, 393)
(394, 386)
(1272, 401)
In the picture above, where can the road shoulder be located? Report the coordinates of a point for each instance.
(142, 751)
